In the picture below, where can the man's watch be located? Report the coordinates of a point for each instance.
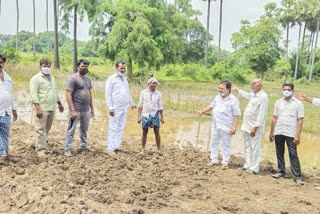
(234, 128)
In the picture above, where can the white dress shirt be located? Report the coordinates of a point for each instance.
(7, 103)
(117, 93)
(150, 103)
(316, 102)
(288, 113)
(256, 111)
(224, 110)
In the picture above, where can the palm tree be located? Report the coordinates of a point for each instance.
(207, 36)
(220, 27)
(47, 24)
(34, 26)
(315, 47)
(75, 49)
(286, 18)
(17, 6)
(56, 47)
(299, 16)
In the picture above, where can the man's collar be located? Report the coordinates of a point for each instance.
(293, 98)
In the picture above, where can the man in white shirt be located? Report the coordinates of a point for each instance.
(315, 101)
(286, 126)
(225, 113)
(151, 109)
(254, 119)
(7, 106)
(118, 99)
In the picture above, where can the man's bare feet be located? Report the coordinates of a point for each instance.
(112, 153)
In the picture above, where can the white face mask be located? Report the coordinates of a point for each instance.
(45, 70)
(287, 93)
(222, 94)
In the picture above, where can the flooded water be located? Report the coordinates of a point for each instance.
(184, 131)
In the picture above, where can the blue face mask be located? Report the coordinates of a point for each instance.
(252, 91)
(120, 74)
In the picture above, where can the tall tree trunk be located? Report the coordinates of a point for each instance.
(130, 74)
(287, 51)
(75, 50)
(47, 23)
(303, 38)
(309, 47)
(34, 26)
(17, 38)
(287, 42)
(220, 29)
(56, 45)
(315, 48)
(297, 55)
(207, 36)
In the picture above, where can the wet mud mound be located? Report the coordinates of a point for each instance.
(165, 181)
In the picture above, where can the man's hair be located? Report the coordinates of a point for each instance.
(120, 62)
(290, 84)
(45, 62)
(83, 61)
(3, 57)
(227, 84)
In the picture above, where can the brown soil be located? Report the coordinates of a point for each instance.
(168, 181)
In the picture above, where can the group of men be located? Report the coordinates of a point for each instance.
(285, 127)
(45, 98)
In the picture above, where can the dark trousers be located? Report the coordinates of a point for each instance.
(293, 155)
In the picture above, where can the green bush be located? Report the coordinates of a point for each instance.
(11, 54)
(304, 81)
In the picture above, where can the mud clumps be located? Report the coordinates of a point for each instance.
(165, 181)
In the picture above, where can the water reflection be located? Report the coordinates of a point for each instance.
(197, 135)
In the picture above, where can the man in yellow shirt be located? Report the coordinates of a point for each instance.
(44, 96)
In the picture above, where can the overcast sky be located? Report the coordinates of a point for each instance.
(233, 12)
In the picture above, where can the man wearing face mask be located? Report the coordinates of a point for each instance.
(7, 108)
(286, 127)
(253, 124)
(225, 114)
(79, 98)
(45, 97)
(118, 99)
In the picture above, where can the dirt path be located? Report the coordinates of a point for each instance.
(169, 181)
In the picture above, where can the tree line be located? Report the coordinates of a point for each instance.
(152, 33)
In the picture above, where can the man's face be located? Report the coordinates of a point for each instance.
(82, 66)
(121, 68)
(223, 89)
(253, 85)
(153, 85)
(1, 64)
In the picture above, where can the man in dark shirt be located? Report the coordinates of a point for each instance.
(80, 103)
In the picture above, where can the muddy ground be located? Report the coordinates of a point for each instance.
(166, 181)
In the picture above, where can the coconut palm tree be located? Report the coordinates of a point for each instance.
(286, 19)
(56, 47)
(34, 26)
(207, 36)
(220, 28)
(47, 24)
(17, 38)
(315, 47)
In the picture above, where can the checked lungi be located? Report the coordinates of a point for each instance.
(5, 122)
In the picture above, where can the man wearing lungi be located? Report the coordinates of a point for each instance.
(150, 111)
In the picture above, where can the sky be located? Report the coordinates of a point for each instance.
(233, 12)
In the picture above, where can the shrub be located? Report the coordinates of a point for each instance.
(11, 54)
